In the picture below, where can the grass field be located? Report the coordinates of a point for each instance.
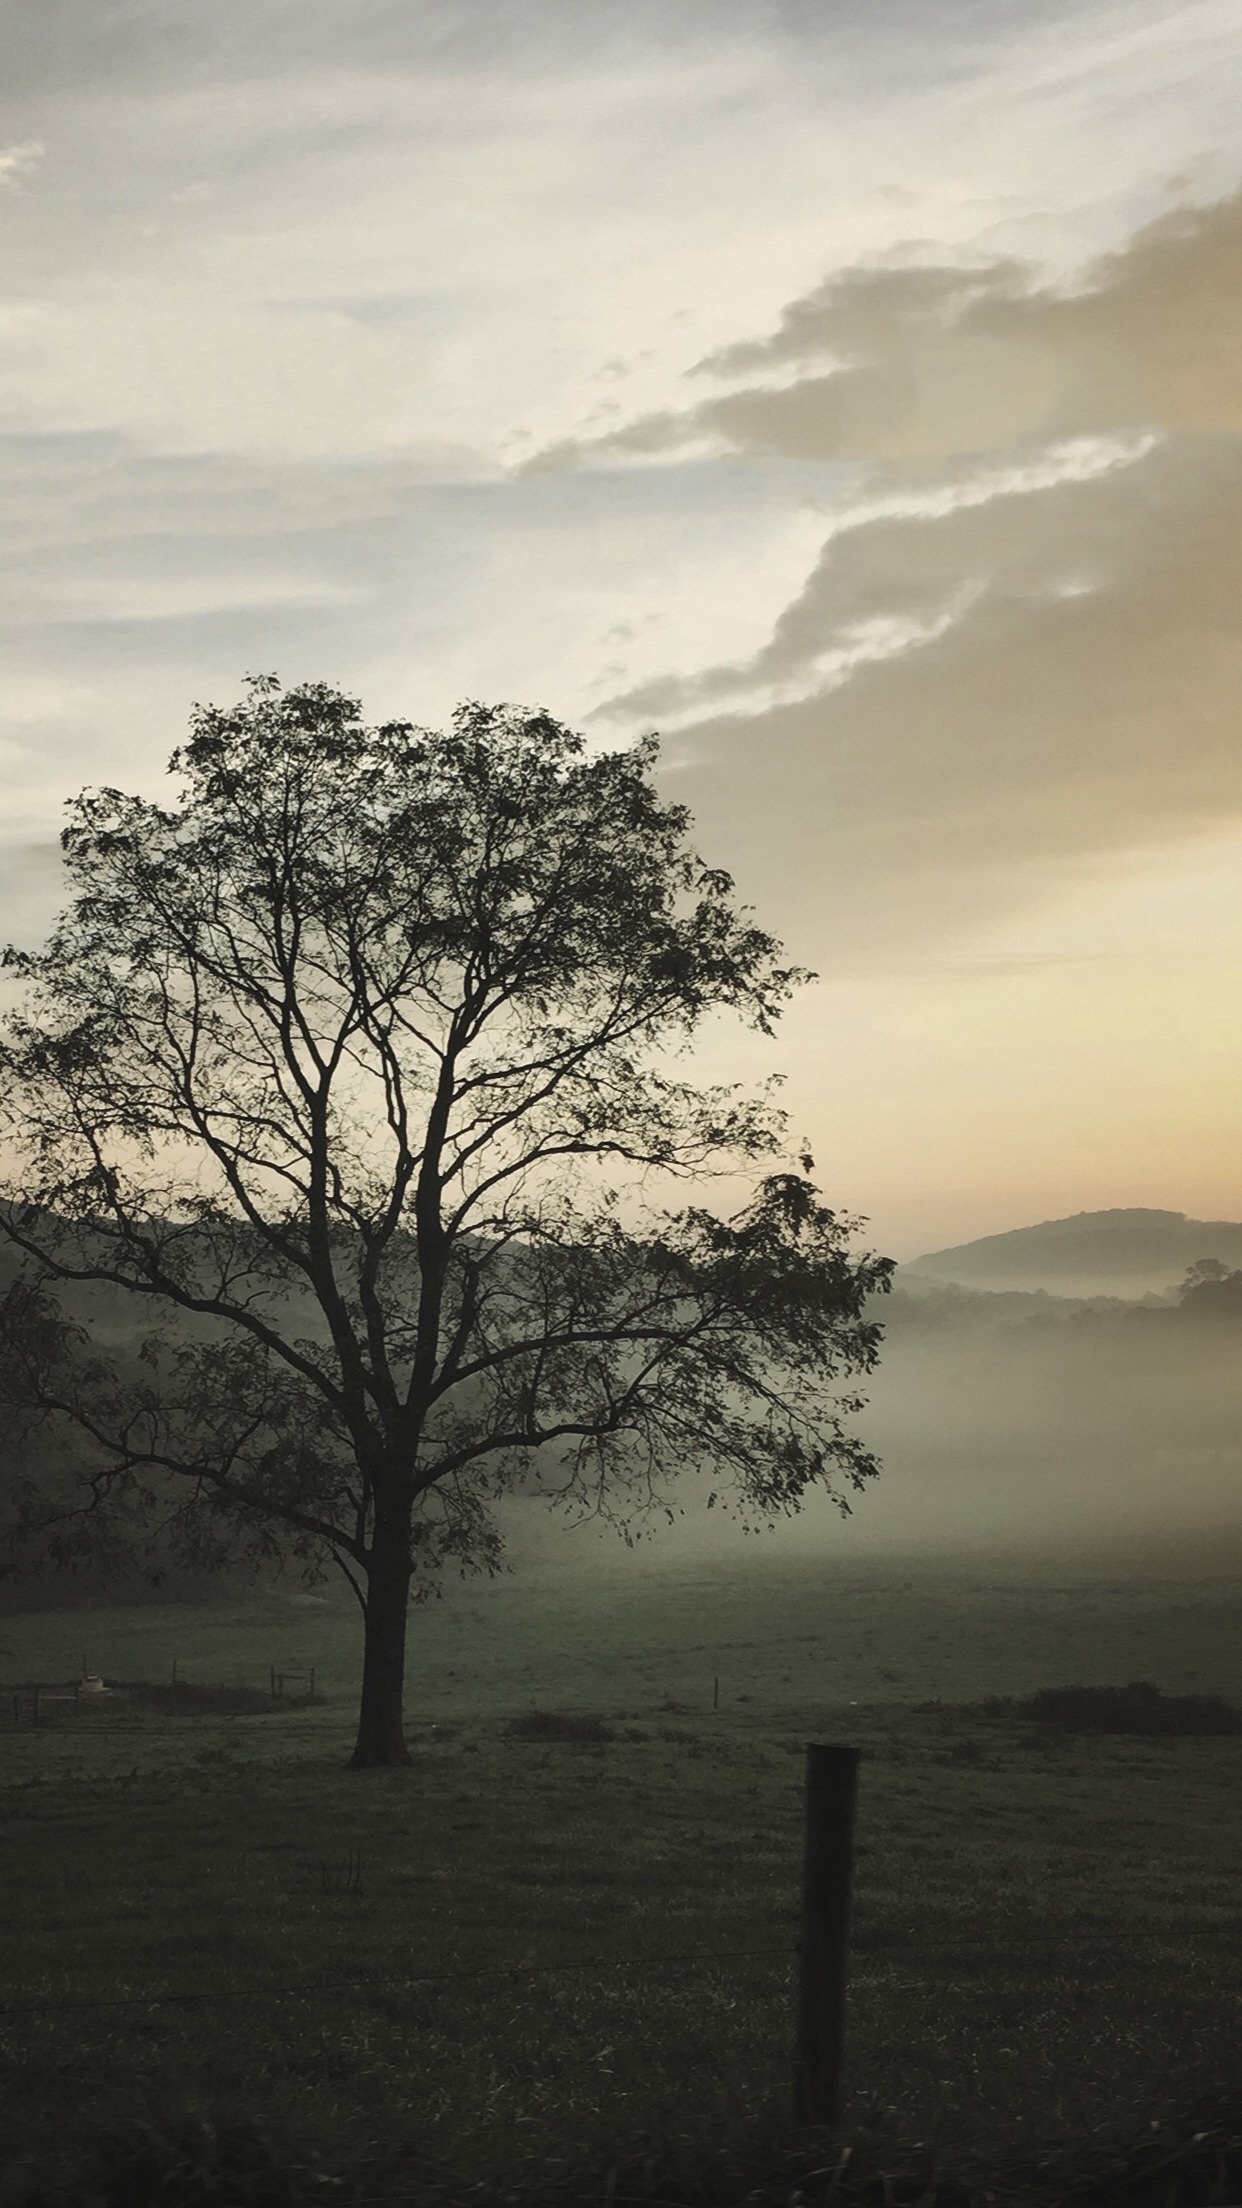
(530, 1957)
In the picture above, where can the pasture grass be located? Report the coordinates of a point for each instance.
(557, 1952)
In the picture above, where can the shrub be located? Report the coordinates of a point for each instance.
(1139, 1707)
(559, 1725)
(965, 1751)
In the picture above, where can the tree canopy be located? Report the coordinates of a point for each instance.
(358, 1070)
(1211, 1289)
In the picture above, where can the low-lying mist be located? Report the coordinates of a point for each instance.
(1004, 1419)
(1020, 1425)
(1028, 1427)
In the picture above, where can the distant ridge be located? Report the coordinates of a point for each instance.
(1129, 1253)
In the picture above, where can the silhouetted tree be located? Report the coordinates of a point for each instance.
(357, 1066)
(1211, 1290)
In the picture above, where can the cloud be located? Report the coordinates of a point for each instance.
(984, 767)
(898, 569)
(16, 162)
(1019, 647)
(918, 365)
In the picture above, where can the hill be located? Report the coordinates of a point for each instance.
(1122, 1253)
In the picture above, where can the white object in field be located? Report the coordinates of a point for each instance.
(93, 1684)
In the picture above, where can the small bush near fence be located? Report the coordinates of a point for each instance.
(1140, 1707)
(560, 1725)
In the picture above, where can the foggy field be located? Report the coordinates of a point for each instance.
(529, 1955)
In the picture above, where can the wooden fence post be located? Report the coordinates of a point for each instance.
(831, 1791)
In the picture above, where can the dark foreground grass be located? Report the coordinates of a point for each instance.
(553, 1961)
(560, 1949)
(1187, 2159)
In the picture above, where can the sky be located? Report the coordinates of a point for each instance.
(848, 393)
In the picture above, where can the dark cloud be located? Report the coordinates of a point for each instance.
(65, 43)
(916, 365)
(1022, 650)
(958, 779)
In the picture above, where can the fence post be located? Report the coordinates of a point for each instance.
(716, 1692)
(831, 1790)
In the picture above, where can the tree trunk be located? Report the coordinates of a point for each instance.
(381, 1737)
